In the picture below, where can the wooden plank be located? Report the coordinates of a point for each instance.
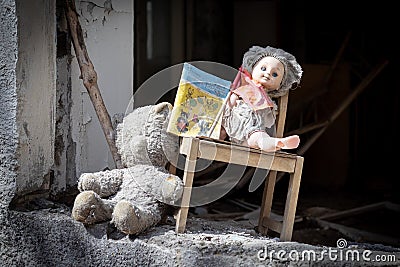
(309, 128)
(360, 235)
(266, 202)
(190, 164)
(222, 216)
(291, 201)
(224, 153)
(352, 212)
(274, 225)
(391, 206)
(344, 104)
(242, 147)
(281, 117)
(242, 155)
(185, 145)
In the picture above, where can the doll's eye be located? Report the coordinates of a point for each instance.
(274, 74)
(263, 68)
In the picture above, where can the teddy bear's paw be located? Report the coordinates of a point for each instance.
(88, 181)
(172, 189)
(89, 208)
(126, 218)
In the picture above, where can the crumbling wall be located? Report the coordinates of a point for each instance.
(36, 87)
(64, 147)
(8, 102)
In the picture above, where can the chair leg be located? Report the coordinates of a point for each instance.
(266, 203)
(291, 201)
(188, 175)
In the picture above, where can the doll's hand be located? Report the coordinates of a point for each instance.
(232, 100)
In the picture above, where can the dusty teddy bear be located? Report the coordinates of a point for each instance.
(134, 198)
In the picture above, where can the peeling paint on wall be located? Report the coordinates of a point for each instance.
(108, 28)
(36, 81)
(93, 11)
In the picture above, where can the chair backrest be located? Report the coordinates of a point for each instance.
(281, 116)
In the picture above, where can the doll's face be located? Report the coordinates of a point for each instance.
(268, 72)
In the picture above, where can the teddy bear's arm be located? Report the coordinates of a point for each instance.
(104, 183)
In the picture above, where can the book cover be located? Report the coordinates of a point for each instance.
(198, 100)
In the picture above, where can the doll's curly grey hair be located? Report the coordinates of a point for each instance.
(293, 71)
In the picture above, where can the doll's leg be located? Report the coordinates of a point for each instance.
(89, 208)
(222, 135)
(131, 219)
(105, 183)
(289, 142)
(265, 142)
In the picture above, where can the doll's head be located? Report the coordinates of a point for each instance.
(285, 71)
(268, 72)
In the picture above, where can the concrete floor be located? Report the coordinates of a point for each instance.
(50, 237)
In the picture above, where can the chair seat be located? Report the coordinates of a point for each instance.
(219, 150)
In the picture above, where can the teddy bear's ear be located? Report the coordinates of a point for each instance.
(142, 137)
(159, 107)
(161, 146)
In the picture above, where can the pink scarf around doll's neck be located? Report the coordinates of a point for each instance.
(252, 94)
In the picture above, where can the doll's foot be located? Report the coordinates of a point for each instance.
(89, 208)
(289, 142)
(126, 218)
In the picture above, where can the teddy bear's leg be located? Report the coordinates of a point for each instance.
(157, 182)
(89, 208)
(131, 219)
(104, 183)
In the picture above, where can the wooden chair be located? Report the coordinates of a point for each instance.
(280, 161)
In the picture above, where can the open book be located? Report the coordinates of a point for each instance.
(199, 98)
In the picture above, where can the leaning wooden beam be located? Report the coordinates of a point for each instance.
(359, 235)
(353, 212)
(89, 77)
(308, 128)
(364, 83)
(324, 88)
(332, 68)
(336, 61)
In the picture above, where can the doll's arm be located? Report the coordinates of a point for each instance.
(232, 100)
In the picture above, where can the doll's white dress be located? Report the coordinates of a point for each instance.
(241, 121)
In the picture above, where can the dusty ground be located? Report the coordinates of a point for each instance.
(46, 235)
(311, 204)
